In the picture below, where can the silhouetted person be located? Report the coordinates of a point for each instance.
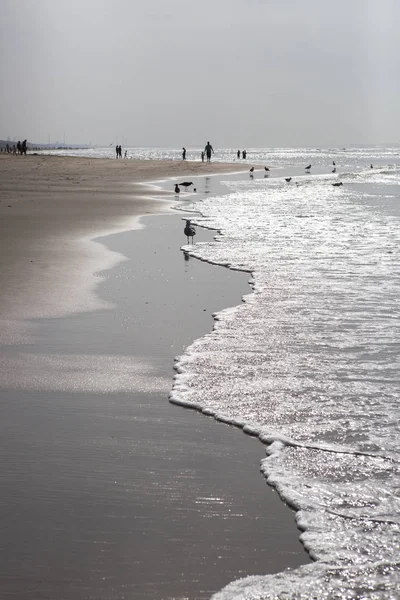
(19, 147)
(23, 147)
(202, 157)
(244, 153)
(183, 153)
(116, 151)
(208, 150)
(238, 153)
(126, 153)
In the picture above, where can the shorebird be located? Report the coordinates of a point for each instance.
(372, 166)
(189, 231)
(266, 168)
(288, 179)
(308, 167)
(334, 170)
(337, 184)
(186, 184)
(334, 163)
(252, 169)
(177, 189)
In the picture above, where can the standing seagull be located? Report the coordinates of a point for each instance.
(177, 189)
(252, 170)
(308, 167)
(266, 168)
(189, 231)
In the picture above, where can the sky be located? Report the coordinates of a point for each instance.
(240, 73)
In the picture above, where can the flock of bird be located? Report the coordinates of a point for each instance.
(190, 231)
(307, 169)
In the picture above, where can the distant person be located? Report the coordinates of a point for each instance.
(24, 147)
(202, 157)
(19, 147)
(244, 153)
(238, 153)
(183, 153)
(117, 151)
(126, 153)
(14, 150)
(208, 150)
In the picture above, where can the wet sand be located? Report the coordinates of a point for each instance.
(107, 489)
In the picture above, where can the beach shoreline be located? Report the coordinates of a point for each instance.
(74, 375)
(51, 208)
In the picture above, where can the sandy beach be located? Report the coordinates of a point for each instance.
(107, 489)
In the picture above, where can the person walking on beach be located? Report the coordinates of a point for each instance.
(183, 153)
(202, 157)
(117, 151)
(244, 153)
(238, 153)
(208, 150)
(23, 147)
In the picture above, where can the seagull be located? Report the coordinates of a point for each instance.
(177, 189)
(308, 167)
(252, 169)
(334, 170)
(334, 163)
(288, 179)
(337, 184)
(189, 231)
(186, 184)
(266, 168)
(372, 166)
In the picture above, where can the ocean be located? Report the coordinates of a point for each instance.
(309, 362)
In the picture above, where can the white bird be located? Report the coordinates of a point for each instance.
(189, 231)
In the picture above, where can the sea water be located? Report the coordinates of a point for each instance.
(310, 361)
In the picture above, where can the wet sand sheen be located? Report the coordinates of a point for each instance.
(122, 494)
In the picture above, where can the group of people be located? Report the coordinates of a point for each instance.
(118, 152)
(244, 153)
(19, 148)
(206, 153)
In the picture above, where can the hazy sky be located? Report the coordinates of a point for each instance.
(240, 73)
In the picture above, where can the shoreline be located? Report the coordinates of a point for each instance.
(52, 205)
(81, 374)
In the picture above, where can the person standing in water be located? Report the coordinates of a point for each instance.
(208, 150)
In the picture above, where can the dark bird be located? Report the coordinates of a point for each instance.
(372, 166)
(334, 163)
(266, 168)
(308, 167)
(337, 184)
(186, 184)
(288, 179)
(177, 189)
(252, 169)
(189, 231)
(334, 170)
